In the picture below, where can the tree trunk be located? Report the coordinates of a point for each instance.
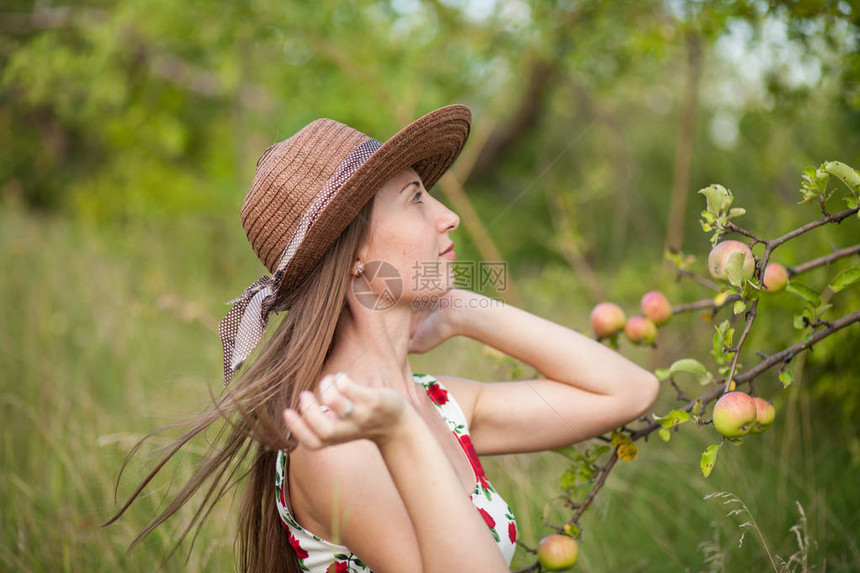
(684, 151)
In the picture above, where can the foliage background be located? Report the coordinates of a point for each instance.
(131, 130)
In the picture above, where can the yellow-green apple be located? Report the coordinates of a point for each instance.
(775, 277)
(656, 307)
(557, 552)
(640, 330)
(606, 319)
(734, 414)
(764, 415)
(719, 257)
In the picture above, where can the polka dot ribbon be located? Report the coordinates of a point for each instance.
(243, 327)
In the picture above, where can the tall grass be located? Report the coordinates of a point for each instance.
(105, 336)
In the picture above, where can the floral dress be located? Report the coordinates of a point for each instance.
(318, 555)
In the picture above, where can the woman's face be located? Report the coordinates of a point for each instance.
(409, 230)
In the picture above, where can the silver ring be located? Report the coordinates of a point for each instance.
(349, 410)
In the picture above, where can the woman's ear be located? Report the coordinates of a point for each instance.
(361, 258)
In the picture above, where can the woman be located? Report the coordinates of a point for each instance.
(358, 463)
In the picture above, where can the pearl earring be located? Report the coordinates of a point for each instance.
(360, 269)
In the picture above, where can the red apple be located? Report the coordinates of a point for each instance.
(720, 255)
(734, 414)
(764, 415)
(775, 277)
(557, 552)
(640, 330)
(606, 319)
(656, 307)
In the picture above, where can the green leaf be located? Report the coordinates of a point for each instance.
(673, 418)
(845, 278)
(736, 212)
(734, 269)
(806, 293)
(786, 377)
(814, 184)
(719, 198)
(850, 202)
(810, 174)
(844, 173)
(799, 323)
(751, 290)
(739, 306)
(819, 312)
(691, 366)
(665, 434)
(596, 451)
(570, 453)
(568, 480)
(718, 352)
(672, 256)
(662, 374)
(726, 328)
(709, 459)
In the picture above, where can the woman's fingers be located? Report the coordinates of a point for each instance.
(333, 395)
(377, 408)
(344, 386)
(300, 430)
(343, 411)
(321, 422)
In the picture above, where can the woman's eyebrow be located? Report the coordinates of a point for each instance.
(409, 184)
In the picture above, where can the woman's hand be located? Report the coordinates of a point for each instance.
(345, 411)
(433, 320)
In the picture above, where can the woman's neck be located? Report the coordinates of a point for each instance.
(371, 347)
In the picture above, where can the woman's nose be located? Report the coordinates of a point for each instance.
(449, 219)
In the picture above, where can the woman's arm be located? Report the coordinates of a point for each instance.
(589, 389)
(403, 510)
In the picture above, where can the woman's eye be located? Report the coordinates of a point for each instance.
(417, 196)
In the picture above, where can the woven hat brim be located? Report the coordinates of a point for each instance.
(430, 145)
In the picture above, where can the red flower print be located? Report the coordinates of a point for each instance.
(438, 394)
(512, 531)
(466, 444)
(491, 523)
(281, 495)
(300, 553)
(338, 567)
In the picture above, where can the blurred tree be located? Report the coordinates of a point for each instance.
(127, 111)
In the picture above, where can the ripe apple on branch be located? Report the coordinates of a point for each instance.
(742, 278)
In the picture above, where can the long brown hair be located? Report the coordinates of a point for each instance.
(249, 412)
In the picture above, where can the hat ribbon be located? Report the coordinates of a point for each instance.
(243, 327)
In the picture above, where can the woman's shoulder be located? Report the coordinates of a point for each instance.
(314, 474)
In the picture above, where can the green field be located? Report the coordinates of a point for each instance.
(107, 336)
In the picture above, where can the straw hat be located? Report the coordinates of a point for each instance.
(306, 191)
